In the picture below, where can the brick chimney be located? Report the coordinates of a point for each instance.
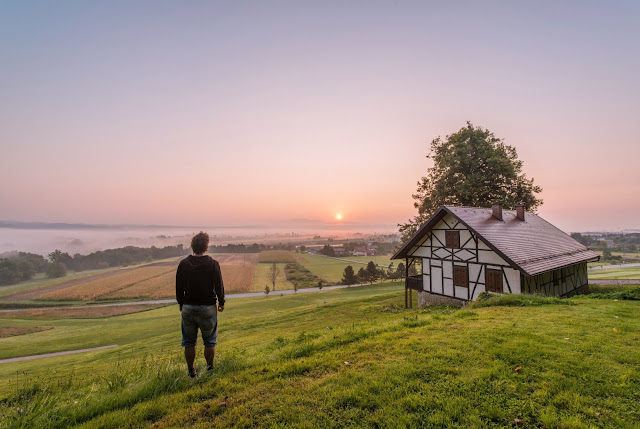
(520, 211)
(496, 208)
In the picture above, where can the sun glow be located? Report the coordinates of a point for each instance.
(338, 216)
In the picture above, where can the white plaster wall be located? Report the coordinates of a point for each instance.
(423, 251)
(464, 236)
(439, 235)
(479, 289)
(474, 270)
(448, 287)
(465, 255)
(514, 280)
(436, 279)
(462, 292)
(442, 253)
(491, 258)
(447, 268)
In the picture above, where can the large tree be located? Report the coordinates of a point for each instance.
(471, 167)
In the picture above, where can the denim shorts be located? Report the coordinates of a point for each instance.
(204, 317)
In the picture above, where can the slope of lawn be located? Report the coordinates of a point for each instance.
(349, 357)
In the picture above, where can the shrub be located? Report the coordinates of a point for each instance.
(632, 294)
(300, 276)
(56, 269)
(487, 299)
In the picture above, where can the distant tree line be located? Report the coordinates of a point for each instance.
(349, 247)
(622, 242)
(327, 251)
(122, 257)
(20, 266)
(372, 273)
(253, 248)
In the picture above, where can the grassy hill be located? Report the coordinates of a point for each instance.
(350, 357)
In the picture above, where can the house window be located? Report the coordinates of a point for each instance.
(493, 280)
(452, 239)
(460, 276)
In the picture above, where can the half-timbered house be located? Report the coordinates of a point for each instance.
(464, 251)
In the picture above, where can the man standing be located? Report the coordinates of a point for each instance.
(198, 284)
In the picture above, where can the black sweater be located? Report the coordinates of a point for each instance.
(199, 281)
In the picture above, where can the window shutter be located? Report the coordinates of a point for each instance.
(452, 239)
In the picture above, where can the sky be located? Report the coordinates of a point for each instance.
(234, 113)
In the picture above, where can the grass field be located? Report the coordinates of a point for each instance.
(615, 273)
(262, 277)
(279, 256)
(158, 287)
(241, 273)
(106, 286)
(140, 282)
(12, 331)
(41, 282)
(331, 269)
(350, 357)
(86, 312)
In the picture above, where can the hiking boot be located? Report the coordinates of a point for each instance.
(210, 368)
(193, 373)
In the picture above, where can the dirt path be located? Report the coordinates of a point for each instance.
(46, 355)
(30, 294)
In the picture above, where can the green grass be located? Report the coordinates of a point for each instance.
(350, 357)
(592, 289)
(262, 278)
(301, 277)
(623, 273)
(486, 299)
(331, 269)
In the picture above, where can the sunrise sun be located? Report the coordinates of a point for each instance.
(338, 216)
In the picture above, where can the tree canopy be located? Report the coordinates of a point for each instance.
(472, 167)
(349, 276)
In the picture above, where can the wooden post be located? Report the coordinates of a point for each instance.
(406, 284)
(410, 299)
(406, 302)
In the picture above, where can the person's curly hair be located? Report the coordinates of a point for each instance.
(200, 243)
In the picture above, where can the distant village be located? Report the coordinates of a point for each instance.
(370, 249)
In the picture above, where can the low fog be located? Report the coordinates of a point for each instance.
(84, 241)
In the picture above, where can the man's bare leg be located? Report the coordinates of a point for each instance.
(209, 353)
(190, 356)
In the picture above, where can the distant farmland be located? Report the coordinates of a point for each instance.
(95, 289)
(241, 272)
(153, 282)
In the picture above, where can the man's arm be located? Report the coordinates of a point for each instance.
(218, 284)
(179, 286)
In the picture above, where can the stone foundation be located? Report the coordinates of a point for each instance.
(426, 298)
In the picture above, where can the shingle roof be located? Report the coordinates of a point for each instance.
(533, 246)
